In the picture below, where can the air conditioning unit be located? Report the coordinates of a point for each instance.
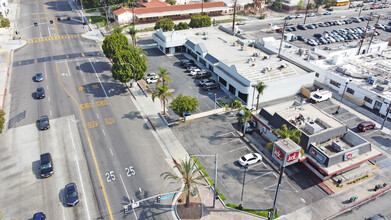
(338, 145)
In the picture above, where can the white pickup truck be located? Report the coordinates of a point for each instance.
(320, 96)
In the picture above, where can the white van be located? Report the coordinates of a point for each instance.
(320, 96)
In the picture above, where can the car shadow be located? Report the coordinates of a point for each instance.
(34, 95)
(132, 115)
(61, 197)
(36, 168)
(37, 125)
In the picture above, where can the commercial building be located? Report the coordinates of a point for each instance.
(155, 10)
(237, 65)
(330, 147)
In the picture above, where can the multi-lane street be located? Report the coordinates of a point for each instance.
(98, 138)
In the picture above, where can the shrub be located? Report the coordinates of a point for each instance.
(5, 22)
(236, 104)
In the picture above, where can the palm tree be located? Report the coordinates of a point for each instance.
(284, 132)
(260, 87)
(163, 94)
(163, 76)
(189, 176)
(132, 32)
(244, 118)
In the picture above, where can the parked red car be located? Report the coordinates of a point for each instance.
(366, 125)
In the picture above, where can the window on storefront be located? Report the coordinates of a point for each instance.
(334, 83)
(232, 89)
(369, 100)
(349, 90)
(223, 82)
(243, 96)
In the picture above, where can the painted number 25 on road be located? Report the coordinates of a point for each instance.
(130, 171)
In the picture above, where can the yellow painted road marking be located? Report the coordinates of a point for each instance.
(35, 60)
(82, 54)
(207, 105)
(92, 124)
(55, 38)
(101, 103)
(95, 86)
(35, 41)
(374, 167)
(46, 38)
(90, 144)
(55, 25)
(81, 88)
(19, 62)
(109, 121)
(66, 55)
(86, 105)
(62, 37)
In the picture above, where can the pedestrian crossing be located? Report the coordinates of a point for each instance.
(62, 37)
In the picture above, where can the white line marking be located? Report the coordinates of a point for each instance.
(366, 133)
(50, 112)
(265, 175)
(232, 141)
(139, 189)
(46, 75)
(236, 149)
(104, 133)
(69, 72)
(49, 99)
(222, 135)
(111, 152)
(49, 32)
(124, 186)
(97, 115)
(78, 167)
(47, 87)
(354, 117)
(98, 78)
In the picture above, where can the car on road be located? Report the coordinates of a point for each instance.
(44, 122)
(71, 194)
(46, 165)
(203, 75)
(299, 16)
(190, 68)
(301, 38)
(152, 79)
(327, 13)
(40, 93)
(194, 72)
(377, 217)
(310, 26)
(183, 61)
(39, 216)
(366, 125)
(241, 23)
(288, 18)
(250, 159)
(38, 77)
(311, 15)
(301, 27)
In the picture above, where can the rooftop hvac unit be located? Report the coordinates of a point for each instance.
(338, 145)
(312, 127)
(380, 88)
(266, 57)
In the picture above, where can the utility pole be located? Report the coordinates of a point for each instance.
(373, 34)
(233, 21)
(363, 37)
(277, 191)
(202, 7)
(244, 180)
(306, 11)
(282, 37)
(133, 13)
(343, 93)
(359, 13)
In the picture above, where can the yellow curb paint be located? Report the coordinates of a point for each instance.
(82, 54)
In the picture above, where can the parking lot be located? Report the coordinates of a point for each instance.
(217, 135)
(182, 82)
(375, 136)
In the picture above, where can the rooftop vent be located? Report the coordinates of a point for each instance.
(313, 127)
(338, 145)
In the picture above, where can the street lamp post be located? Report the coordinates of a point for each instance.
(282, 37)
(215, 176)
(385, 118)
(343, 93)
(215, 101)
(252, 104)
(244, 179)
(277, 191)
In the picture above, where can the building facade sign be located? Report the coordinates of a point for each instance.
(317, 155)
(286, 152)
(351, 155)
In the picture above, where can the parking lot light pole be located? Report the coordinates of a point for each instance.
(215, 179)
(277, 191)
(244, 179)
(343, 93)
(385, 118)
(282, 37)
(215, 101)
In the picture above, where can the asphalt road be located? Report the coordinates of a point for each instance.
(124, 158)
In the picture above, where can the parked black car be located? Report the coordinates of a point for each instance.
(44, 122)
(46, 165)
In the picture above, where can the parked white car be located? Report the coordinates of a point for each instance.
(311, 15)
(152, 79)
(194, 72)
(249, 159)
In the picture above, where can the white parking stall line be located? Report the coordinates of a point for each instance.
(50, 34)
(103, 88)
(237, 140)
(236, 149)
(97, 115)
(345, 120)
(46, 75)
(48, 99)
(222, 135)
(294, 189)
(368, 133)
(111, 151)
(104, 133)
(69, 72)
(50, 111)
(78, 168)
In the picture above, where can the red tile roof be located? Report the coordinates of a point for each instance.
(169, 8)
(155, 3)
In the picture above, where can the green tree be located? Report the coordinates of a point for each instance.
(113, 43)
(117, 30)
(293, 134)
(181, 26)
(189, 176)
(165, 24)
(163, 93)
(132, 32)
(277, 4)
(182, 104)
(300, 5)
(243, 119)
(311, 5)
(122, 71)
(260, 87)
(171, 2)
(197, 21)
(5, 22)
(164, 76)
(236, 104)
(319, 3)
(2, 120)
